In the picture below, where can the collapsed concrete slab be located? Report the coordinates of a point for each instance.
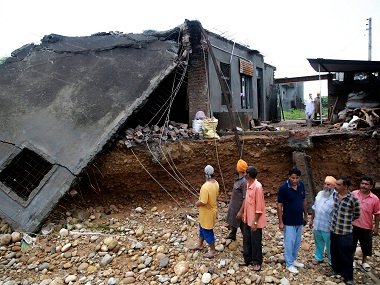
(60, 102)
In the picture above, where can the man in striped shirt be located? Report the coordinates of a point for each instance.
(346, 209)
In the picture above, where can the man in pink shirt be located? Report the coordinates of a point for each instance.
(363, 227)
(254, 220)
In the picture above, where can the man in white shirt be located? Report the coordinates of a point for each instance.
(309, 108)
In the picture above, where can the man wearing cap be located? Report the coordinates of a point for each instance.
(207, 205)
(320, 220)
(237, 197)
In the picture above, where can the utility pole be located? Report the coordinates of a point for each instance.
(369, 29)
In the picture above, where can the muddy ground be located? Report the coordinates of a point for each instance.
(173, 171)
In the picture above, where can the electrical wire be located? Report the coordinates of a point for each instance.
(142, 165)
(215, 142)
(166, 124)
(167, 105)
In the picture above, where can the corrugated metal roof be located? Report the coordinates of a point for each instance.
(337, 65)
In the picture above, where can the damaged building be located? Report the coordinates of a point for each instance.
(64, 100)
(353, 87)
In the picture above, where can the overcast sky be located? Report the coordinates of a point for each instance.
(285, 32)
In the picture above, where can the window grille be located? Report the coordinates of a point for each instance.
(24, 173)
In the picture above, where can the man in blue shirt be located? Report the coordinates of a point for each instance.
(292, 215)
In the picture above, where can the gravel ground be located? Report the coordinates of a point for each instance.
(151, 244)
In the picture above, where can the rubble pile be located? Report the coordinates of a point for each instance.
(174, 131)
(145, 244)
(178, 131)
(360, 118)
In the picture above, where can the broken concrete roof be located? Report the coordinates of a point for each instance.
(65, 98)
(67, 95)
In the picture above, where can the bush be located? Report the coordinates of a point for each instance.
(294, 114)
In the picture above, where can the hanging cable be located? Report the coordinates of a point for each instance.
(167, 192)
(167, 105)
(166, 125)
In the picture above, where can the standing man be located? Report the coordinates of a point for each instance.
(320, 220)
(254, 220)
(207, 205)
(237, 197)
(363, 226)
(317, 106)
(292, 214)
(309, 108)
(345, 211)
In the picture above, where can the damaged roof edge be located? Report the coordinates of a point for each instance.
(94, 42)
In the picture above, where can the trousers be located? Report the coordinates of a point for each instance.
(341, 255)
(252, 245)
(322, 242)
(292, 243)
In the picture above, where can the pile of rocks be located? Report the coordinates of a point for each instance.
(174, 131)
(150, 246)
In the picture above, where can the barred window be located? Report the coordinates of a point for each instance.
(24, 173)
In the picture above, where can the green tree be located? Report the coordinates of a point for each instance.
(324, 102)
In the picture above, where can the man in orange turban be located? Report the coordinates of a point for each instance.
(237, 197)
(241, 166)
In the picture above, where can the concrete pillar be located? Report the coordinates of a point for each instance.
(302, 161)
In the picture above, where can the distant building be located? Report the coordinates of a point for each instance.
(351, 84)
(291, 95)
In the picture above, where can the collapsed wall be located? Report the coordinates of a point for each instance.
(121, 175)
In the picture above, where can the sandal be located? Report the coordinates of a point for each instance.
(244, 264)
(366, 266)
(316, 262)
(256, 267)
(196, 248)
(211, 254)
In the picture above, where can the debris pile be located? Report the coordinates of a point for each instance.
(172, 132)
(179, 131)
(361, 118)
(361, 111)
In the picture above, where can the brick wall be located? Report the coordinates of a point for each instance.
(197, 89)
